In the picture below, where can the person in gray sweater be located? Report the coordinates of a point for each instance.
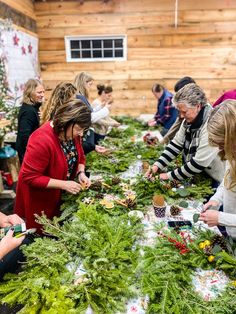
(191, 140)
(221, 132)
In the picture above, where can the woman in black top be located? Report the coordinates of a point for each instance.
(28, 118)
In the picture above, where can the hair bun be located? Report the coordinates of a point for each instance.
(100, 87)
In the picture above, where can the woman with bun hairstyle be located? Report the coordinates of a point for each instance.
(102, 126)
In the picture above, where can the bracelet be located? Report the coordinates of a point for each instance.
(82, 171)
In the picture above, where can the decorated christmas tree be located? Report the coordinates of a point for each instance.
(7, 105)
(3, 83)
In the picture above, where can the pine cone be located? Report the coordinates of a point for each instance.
(99, 196)
(174, 210)
(167, 186)
(130, 203)
(115, 180)
(219, 240)
(175, 183)
(207, 250)
(149, 139)
(96, 186)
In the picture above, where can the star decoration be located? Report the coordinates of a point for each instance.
(16, 40)
(30, 48)
(23, 50)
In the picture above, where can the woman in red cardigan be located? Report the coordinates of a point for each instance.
(54, 157)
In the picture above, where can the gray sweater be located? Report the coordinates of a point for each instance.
(228, 199)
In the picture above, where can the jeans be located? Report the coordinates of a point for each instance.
(11, 262)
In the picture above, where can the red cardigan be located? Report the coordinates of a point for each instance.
(44, 159)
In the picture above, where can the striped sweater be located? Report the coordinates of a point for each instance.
(196, 152)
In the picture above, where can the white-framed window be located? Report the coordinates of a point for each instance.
(96, 48)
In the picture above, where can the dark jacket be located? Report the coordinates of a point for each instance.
(28, 122)
(88, 138)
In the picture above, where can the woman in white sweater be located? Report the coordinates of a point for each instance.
(222, 131)
(102, 126)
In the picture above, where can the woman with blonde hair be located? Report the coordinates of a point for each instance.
(221, 133)
(28, 117)
(62, 93)
(83, 83)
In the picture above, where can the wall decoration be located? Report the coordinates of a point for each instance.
(20, 52)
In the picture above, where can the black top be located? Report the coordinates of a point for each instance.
(28, 122)
(88, 138)
(71, 155)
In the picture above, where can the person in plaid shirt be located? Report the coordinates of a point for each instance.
(166, 113)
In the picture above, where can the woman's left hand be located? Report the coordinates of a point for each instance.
(210, 217)
(84, 180)
(164, 176)
(11, 220)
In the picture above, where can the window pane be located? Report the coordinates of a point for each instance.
(98, 47)
(75, 54)
(86, 54)
(108, 54)
(85, 44)
(97, 53)
(118, 43)
(119, 53)
(97, 44)
(74, 44)
(107, 43)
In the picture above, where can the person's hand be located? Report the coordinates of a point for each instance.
(84, 180)
(116, 124)
(150, 174)
(210, 204)
(11, 220)
(72, 187)
(108, 106)
(9, 243)
(152, 123)
(164, 176)
(100, 149)
(210, 217)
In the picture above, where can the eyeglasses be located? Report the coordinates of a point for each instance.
(78, 130)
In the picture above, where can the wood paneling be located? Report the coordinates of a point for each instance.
(125, 6)
(25, 7)
(202, 46)
(21, 13)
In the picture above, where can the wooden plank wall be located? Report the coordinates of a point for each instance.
(21, 13)
(202, 46)
(25, 7)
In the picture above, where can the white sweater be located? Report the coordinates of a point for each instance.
(228, 199)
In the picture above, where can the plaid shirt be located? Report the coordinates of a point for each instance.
(162, 118)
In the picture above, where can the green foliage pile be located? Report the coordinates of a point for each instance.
(167, 278)
(145, 190)
(106, 246)
(104, 241)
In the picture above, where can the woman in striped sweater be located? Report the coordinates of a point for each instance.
(191, 140)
